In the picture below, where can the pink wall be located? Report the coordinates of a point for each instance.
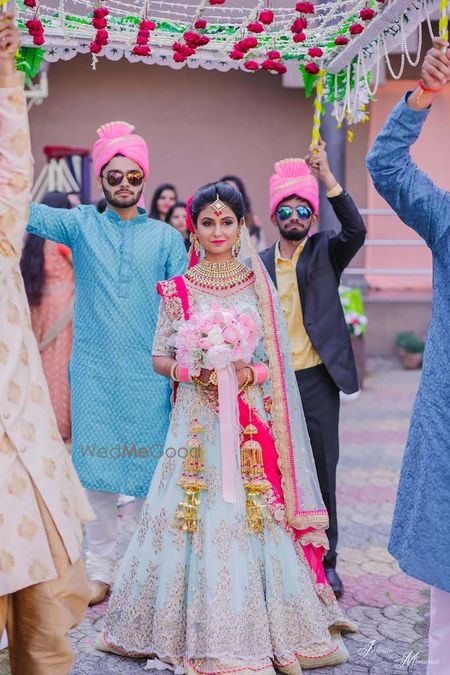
(431, 154)
(199, 124)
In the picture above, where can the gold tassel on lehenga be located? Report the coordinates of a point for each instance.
(192, 481)
(254, 479)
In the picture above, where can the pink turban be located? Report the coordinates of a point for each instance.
(293, 177)
(117, 138)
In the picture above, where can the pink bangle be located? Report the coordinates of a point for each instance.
(261, 372)
(183, 374)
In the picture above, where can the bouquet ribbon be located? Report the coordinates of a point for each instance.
(229, 430)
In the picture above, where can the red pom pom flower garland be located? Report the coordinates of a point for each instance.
(100, 23)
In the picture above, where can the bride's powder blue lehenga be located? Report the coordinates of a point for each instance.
(224, 599)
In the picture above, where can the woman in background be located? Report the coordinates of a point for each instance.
(165, 196)
(48, 275)
(255, 230)
(176, 217)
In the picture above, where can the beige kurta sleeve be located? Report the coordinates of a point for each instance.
(16, 161)
(34, 462)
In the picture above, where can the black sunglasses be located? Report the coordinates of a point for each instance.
(303, 212)
(114, 177)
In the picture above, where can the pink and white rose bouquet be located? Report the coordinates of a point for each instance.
(215, 337)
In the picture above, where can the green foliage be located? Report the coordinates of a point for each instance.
(343, 30)
(336, 85)
(410, 342)
(29, 60)
(308, 80)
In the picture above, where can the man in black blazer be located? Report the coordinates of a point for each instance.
(307, 270)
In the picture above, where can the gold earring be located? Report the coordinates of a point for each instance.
(237, 245)
(196, 243)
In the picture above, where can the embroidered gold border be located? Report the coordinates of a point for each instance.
(280, 429)
(172, 301)
(281, 424)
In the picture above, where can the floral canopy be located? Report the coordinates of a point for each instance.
(337, 44)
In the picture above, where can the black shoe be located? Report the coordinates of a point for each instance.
(334, 581)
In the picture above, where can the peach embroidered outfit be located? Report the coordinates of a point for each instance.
(43, 590)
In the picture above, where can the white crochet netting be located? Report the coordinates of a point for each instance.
(68, 31)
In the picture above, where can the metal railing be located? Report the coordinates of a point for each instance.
(406, 243)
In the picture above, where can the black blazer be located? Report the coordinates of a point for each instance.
(323, 259)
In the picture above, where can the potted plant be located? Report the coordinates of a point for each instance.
(356, 320)
(410, 350)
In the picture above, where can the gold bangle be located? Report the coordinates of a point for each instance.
(254, 376)
(335, 191)
(246, 381)
(197, 380)
(212, 380)
(172, 372)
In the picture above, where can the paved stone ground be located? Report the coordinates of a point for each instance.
(390, 608)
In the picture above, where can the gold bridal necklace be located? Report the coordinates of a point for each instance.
(219, 276)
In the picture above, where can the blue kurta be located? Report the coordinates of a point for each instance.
(421, 529)
(120, 406)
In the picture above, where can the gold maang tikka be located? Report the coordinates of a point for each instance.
(218, 205)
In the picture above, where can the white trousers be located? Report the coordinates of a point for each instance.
(102, 535)
(439, 635)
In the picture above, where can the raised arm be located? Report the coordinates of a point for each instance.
(344, 245)
(410, 192)
(16, 162)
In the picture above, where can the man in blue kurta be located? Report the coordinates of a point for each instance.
(120, 407)
(421, 529)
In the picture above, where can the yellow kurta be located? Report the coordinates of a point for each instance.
(303, 353)
(32, 454)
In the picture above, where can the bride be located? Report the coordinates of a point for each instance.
(224, 572)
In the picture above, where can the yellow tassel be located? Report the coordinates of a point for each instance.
(195, 428)
(254, 479)
(318, 109)
(250, 430)
(255, 512)
(192, 481)
(187, 512)
(443, 19)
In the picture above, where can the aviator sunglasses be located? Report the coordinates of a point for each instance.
(285, 212)
(114, 177)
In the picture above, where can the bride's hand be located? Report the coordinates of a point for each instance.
(238, 365)
(242, 375)
(205, 375)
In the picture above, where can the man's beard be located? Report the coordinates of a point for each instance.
(121, 204)
(294, 234)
